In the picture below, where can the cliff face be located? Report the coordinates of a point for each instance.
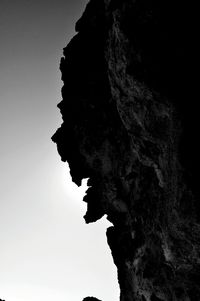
(130, 126)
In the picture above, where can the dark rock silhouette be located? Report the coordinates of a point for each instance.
(130, 125)
(91, 299)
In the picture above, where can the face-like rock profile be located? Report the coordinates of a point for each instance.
(130, 124)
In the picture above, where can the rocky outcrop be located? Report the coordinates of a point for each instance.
(91, 299)
(130, 120)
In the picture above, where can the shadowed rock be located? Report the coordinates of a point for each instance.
(91, 299)
(130, 125)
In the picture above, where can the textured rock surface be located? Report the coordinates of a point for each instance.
(130, 126)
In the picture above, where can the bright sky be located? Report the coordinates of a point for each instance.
(47, 252)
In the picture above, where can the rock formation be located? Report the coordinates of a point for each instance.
(130, 125)
(91, 299)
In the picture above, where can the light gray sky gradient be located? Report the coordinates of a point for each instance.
(47, 252)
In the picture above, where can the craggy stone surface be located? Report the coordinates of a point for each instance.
(130, 125)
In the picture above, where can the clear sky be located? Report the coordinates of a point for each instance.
(47, 252)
